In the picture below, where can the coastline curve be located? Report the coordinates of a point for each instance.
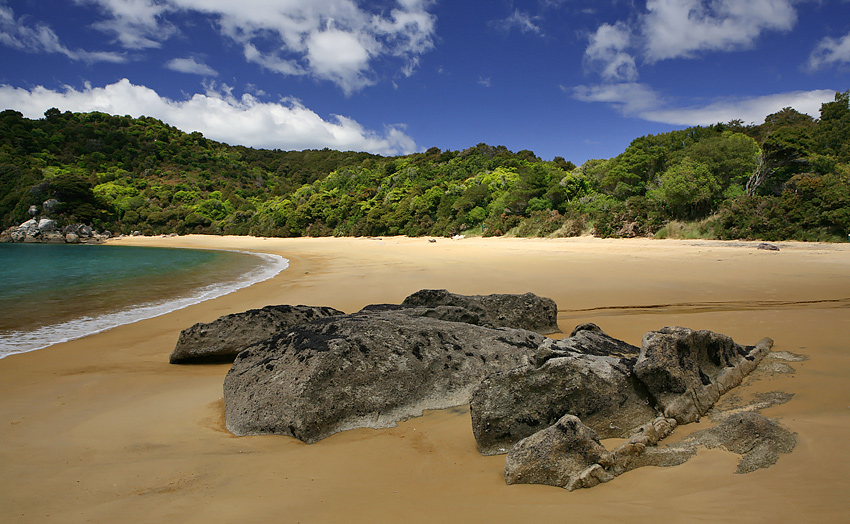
(23, 341)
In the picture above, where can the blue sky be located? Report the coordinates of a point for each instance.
(570, 78)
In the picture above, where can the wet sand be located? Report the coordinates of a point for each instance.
(103, 429)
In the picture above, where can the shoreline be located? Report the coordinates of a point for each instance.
(103, 428)
(87, 323)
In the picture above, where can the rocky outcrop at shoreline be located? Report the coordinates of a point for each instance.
(545, 403)
(45, 231)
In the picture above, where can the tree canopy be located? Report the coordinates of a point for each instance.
(785, 178)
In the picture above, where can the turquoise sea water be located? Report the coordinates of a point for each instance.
(55, 293)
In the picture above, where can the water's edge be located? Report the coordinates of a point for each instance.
(15, 342)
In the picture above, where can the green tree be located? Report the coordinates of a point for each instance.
(688, 189)
(785, 149)
(832, 134)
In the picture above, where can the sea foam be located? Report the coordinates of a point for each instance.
(12, 342)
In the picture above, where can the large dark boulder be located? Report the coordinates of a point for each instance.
(587, 375)
(222, 339)
(526, 311)
(368, 369)
(686, 371)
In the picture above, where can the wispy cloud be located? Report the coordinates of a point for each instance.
(641, 101)
(684, 29)
(40, 38)
(219, 115)
(630, 98)
(484, 81)
(830, 52)
(135, 24)
(522, 21)
(191, 66)
(749, 109)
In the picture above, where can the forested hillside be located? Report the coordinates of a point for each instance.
(787, 178)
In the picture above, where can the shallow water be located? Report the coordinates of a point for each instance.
(55, 293)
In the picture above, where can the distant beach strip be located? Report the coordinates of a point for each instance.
(216, 283)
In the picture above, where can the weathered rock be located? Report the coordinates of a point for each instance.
(46, 225)
(639, 450)
(52, 237)
(527, 311)
(222, 339)
(567, 454)
(587, 375)
(447, 313)
(757, 439)
(733, 404)
(686, 371)
(29, 228)
(45, 231)
(368, 369)
(50, 206)
(16, 235)
(32, 211)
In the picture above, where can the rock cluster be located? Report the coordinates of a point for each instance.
(569, 454)
(309, 372)
(678, 374)
(45, 231)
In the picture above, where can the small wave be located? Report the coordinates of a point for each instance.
(24, 341)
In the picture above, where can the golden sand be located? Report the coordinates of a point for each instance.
(103, 429)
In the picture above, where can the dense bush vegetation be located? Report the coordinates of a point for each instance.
(786, 178)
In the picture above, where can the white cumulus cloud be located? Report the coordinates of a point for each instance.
(682, 28)
(608, 53)
(219, 115)
(334, 40)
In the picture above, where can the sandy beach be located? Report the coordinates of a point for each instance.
(103, 429)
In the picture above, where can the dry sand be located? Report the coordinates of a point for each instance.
(103, 429)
